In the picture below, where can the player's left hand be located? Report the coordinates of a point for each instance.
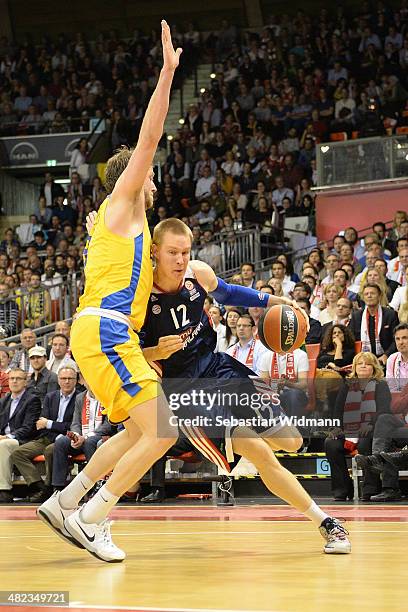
(171, 57)
(168, 345)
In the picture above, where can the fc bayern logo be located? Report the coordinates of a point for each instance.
(189, 285)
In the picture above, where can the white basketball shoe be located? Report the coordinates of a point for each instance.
(53, 514)
(95, 537)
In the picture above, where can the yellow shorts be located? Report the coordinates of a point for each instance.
(109, 356)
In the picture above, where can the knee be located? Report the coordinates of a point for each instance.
(291, 445)
(48, 451)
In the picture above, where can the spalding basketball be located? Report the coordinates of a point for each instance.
(282, 328)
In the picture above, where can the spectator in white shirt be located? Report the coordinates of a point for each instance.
(210, 253)
(281, 192)
(345, 102)
(231, 320)
(203, 187)
(331, 264)
(289, 371)
(400, 296)
(247, 350)
(397, 363)
(396, 267)
(248, 275)
(278, 271)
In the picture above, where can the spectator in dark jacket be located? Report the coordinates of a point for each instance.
(55, 420)
(19, 411)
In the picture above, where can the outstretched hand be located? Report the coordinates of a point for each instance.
(171, 57)
(90, 221)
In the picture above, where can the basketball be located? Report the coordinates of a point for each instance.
(282, 328)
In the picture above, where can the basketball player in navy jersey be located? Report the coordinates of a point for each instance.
(175, 309)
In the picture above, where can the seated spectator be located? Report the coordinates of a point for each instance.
(210, 253)
(315, 330)
(8, 313)
(21, 359)
(90, 427)
(55, 420)
(400, 297)
(248, 274)
(205, 216)
(381, 265)
(288, 372)
(374, 325)
(37, 303)
(203, 187)
(374, 277)
(231, 320)
(278, 271)
(357, 425)
(331, 264)
(331, 294)
(41, 379)
(59, 353)
(396, 267)
(19, 411)
(247, 350)
(4, 371)
(337, 350)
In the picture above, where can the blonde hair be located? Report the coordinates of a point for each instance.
(115, 166)
(329, 286)
(175, 226)
(382, 287)
(369, 359)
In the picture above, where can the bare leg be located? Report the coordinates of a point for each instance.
(278, 479)
(287, 439)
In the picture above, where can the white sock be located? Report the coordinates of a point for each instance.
(98, 508)
(74, 492)
(315, 514)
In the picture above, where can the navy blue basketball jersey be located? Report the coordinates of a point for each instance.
(180, 313)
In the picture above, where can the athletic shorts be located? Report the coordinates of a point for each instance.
(217, 396)
(110, 359)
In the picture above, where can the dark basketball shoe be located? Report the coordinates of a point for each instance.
(335, 534)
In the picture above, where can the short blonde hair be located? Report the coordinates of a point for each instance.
(369, 359)
(337, 288)
(175, 226)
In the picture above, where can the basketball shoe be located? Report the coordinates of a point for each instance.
(95, 537)
(335, 535)
(53, 514)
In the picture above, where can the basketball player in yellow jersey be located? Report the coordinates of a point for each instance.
(104, 340)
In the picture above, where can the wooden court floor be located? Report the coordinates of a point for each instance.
(205, 558)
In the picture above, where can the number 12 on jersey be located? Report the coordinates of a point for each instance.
(184, 320)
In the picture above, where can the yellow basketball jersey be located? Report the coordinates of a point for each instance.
(118, 271)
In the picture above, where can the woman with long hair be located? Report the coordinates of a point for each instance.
(231, 320)
(337, 348)
(363, 396)
(399, 300)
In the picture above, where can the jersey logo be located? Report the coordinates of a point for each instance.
(156, 309)
(153, 298)
(189, 285)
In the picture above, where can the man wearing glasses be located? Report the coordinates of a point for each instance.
(19, 412)
(55, 420)
(247, 350)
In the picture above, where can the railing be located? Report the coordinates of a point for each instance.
(38, 307)
(362, 161)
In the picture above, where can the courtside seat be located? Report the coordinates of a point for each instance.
(76, 459)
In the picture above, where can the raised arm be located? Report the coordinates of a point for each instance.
(132, 178)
